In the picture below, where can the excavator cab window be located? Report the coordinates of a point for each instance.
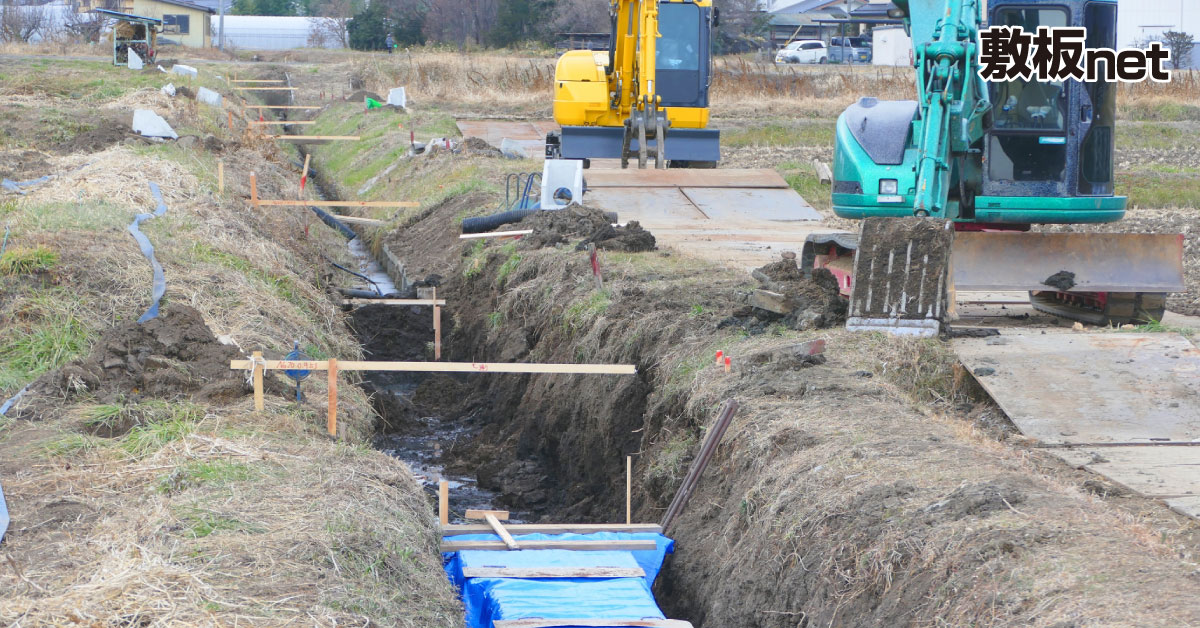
(682, 54)
(1029, 132)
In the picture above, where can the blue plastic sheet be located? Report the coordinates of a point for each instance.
(15, 186)
(160, 279)
(490, 599)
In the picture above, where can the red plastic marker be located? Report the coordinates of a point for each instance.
(719, 354)
(728, 366)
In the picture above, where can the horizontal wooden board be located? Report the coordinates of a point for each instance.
(305, 203)
(553, 572)
(495, 234)
(444, 367)
(552, 528)
(595, 546)
(555, 623)
(473, 513)
(393, 302)
(684, 177)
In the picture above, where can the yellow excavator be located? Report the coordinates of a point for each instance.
(647, 97)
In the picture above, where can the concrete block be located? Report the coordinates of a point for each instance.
(397, 97)
(135, 61)
(169, 90)
(185, 70)
(208, 97)
(562, 183)
(150, 124)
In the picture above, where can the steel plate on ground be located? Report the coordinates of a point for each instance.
(1101, 262)
(649, 206)
(1065, 388)
(494, 131)
(737, 205)
(1162, 471)
(684, 177)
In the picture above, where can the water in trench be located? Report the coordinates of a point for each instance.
(425, 445)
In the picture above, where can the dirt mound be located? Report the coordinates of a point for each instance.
(479, 146)
(551, 228)
(362, 94)
(174, 355)
(790, 299)
(185, 91)
(106, 133)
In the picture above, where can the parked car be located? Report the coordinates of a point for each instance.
(849, 50)
(803, 51)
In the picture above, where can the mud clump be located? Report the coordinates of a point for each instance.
(185, 91)
(551, 228)
(1062, 280)
(172, 356)
(479, 146)
(106, 133)
(790, 299)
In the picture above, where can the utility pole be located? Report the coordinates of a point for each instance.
(221, 25)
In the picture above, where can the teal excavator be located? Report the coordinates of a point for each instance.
(949, 185)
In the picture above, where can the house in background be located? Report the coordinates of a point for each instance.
(186, 23)
(817, 19)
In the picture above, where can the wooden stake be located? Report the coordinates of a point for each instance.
(256, 363)
(444, 502)
(253, 190)
(230, 116)
(221, 175)
(437, 327)
(719, 354)
(595, 265)
(304, 174)
(331, 421)
(628, 490)
(728, 365)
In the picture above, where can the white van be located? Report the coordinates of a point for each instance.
(803, 51)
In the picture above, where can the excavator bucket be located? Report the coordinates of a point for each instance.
(901, 272)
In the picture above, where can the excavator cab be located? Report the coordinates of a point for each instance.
(648, 96)
(983, 161)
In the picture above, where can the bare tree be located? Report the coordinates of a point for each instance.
(83, 24)
(19, 23)
(1180, 44)
(461, 22)
(580, 16)
(330, 23)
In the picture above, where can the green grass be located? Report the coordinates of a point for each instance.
(216, 473)
(583, 311)
(200, 522)
(1160, 111)
(508, 267)
(23, 261)
(1159, 190)
(87, 215)
(816, 133)
(282, 285)
(1157, 327)
(52, 333)
(802, 179)
(475, 260)
(495, 319)
(73, 445)
(162, 422)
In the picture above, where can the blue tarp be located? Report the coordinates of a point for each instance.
(489, 599)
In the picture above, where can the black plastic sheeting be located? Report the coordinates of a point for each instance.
(160, 279)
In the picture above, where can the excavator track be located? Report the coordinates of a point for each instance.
(1115, 308)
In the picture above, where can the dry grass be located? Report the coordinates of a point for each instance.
(199, 515)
